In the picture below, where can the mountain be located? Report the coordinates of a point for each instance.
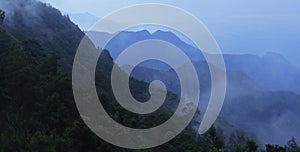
(122, 40)
(37, 110)
(84, 20)
(38, 44)
(271, 71)
(268, 82)
(29, 19)
(273, 116)
(7, 39)
(243, 99)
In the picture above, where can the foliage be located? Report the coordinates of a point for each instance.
(275, 148)
(239, 143)
(292, 145)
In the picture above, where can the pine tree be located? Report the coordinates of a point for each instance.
(251, 146)
(215, 137)
(292, 145)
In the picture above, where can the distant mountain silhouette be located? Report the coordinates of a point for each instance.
(271, 71)
(260, 89)
(122, 40)
(84, 20)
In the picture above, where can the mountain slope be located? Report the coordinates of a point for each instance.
(30, 19)
(269, 81)
(36, 98)
(271, 71)
(272, 116)
(120, 41)
(37, 110)
(6, 39)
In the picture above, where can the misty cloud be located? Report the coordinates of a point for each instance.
(30, 11)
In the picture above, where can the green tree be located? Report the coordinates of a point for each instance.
(251, 146)
(239, 143)
(275, 148)
(215, 137)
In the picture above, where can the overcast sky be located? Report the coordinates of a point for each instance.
(271, 9)
(248, 26)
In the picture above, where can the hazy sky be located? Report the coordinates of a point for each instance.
(204, 8)
(248, 26)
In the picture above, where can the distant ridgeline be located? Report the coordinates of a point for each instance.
(37, 109)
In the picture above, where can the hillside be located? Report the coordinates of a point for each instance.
(7, 39)
(38, 112)
(30, 19)
(248, 75)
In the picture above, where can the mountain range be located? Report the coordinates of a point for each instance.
(262, 93)
(260, 89)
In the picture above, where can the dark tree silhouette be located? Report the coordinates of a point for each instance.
(292, 146)
(251, 146)
(275, 148)
(2, 16)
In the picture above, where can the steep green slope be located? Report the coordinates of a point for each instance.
(55, 32)
(6, 39)
(38, 111)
